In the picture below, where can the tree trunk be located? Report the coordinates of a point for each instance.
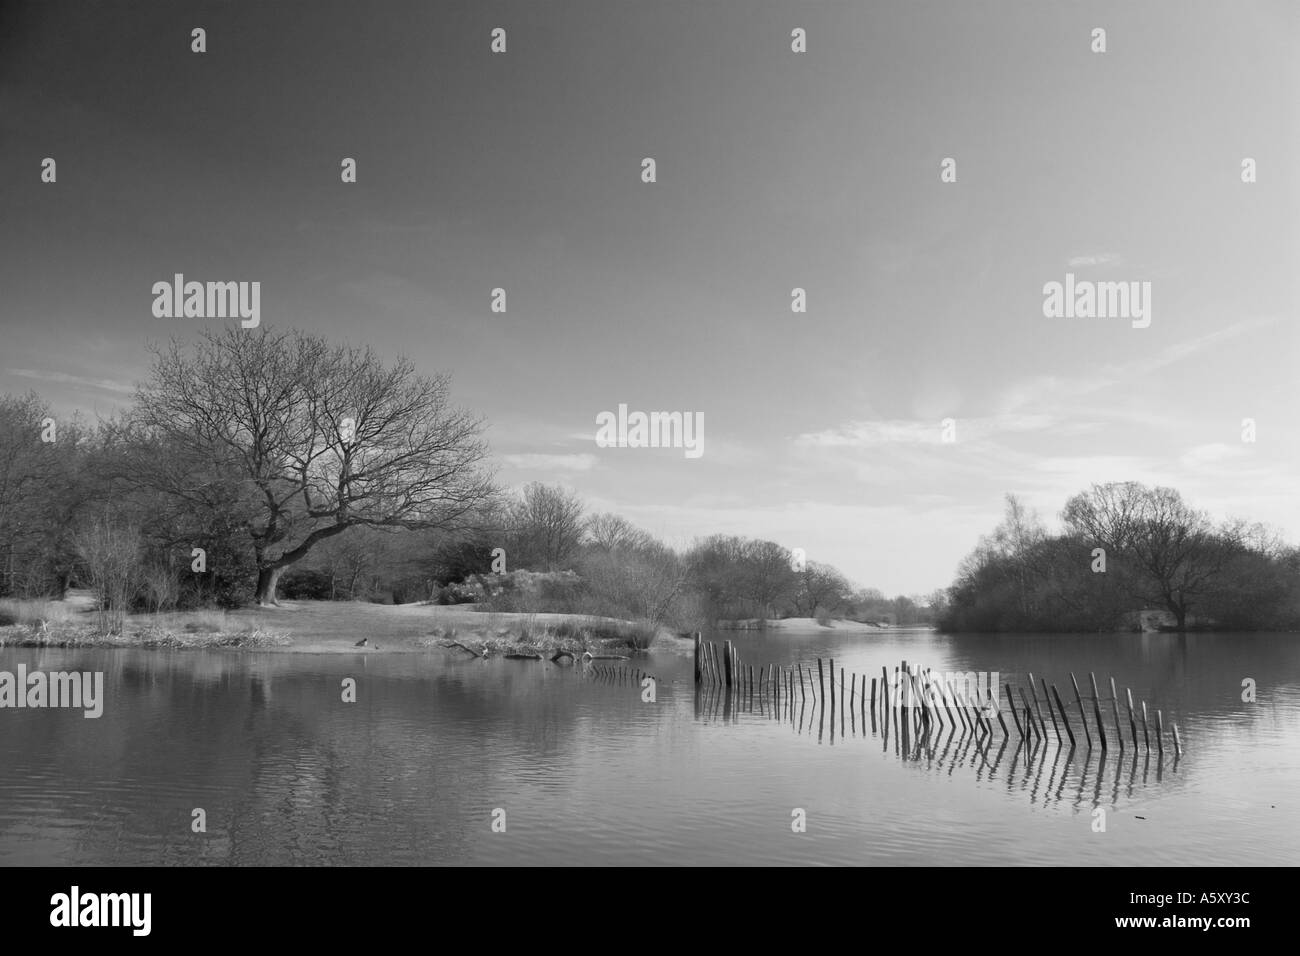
(267, 579)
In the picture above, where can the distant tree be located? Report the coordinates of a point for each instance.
(609, 532)
(768, 579)
(819, 586)
(1172, 552)
(546, 527)
(937, 600)
(715, 568)
(45, 489)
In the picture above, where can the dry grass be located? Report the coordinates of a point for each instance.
(188, 622)
(324, 626)
(16, 611)
(34, 623)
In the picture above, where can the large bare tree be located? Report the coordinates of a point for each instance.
(317, 438)
(1171, 552)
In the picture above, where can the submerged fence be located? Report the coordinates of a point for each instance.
(919, 703)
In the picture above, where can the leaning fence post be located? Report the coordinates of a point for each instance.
(1096, 709)
(1055, 726)
(1029, 714)
(1014, 716)
(1065, 717)
(697, 658)
(1082, 716)
(1038, 710)
(993, 698)
(1114, 705)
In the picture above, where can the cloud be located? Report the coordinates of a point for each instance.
(1211, 454)
(544, 462)
(1097, 259)
(103, 384)
(1051, 391)
(874, 434)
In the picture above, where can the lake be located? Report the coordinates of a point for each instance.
(588, 773)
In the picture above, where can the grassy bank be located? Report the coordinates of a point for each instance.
(330, 627)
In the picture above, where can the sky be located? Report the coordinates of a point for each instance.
(775, 170)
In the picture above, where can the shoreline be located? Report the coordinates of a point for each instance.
(329, 627)
(335, 627)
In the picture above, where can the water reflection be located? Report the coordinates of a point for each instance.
(966, 739)
(590, 772)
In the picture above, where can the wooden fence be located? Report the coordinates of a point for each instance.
(919, 703)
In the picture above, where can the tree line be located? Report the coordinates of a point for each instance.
(258, 464)
(1125, 550)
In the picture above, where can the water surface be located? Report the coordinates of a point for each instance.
(588, 773)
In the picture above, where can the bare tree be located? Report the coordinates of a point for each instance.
(546, 525)
(819, 586)
(44, 489)
(110, 553)
(315, 438)
(1173, 553)
(1020, 532)
(769, 578)
(609, 532)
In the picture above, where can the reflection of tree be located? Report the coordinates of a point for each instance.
(296, 776)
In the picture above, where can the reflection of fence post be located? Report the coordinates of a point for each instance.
(1029, 714)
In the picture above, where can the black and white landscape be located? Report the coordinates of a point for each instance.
(590, 433)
